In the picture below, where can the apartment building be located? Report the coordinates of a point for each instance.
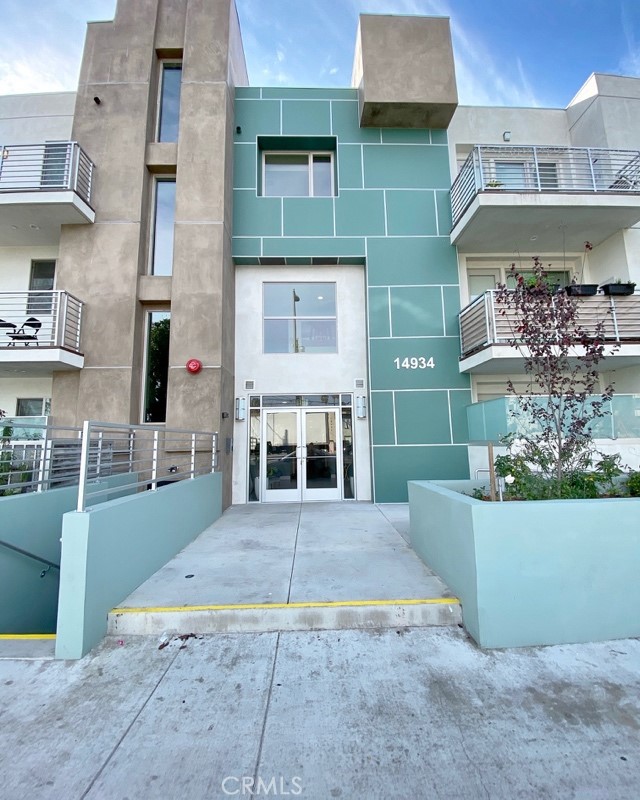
(307, 271)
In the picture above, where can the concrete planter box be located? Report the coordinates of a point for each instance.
(532, 573)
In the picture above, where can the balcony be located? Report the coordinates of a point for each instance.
(543, 199)
(43, 186)
(39, 332)
(485, 333)
(491, 420)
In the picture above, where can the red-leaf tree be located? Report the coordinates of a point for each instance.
(561, 357)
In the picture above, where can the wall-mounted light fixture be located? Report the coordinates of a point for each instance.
(506, 136)
(361, 407)
(241, 408)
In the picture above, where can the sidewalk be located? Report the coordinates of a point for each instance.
(418, 713)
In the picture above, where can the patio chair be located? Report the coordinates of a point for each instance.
(21, 335)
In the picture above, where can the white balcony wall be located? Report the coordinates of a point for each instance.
(608, 261)
(30, 118)
(473, 125)
(15, 265)
(21, 386)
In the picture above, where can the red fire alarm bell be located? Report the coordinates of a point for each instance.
(193, 365)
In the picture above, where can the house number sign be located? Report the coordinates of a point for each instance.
(414, 362)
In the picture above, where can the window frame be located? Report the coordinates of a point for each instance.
(148, 311)
(163, 64)
(40, 301)
(153, 220)
(310, 155)
(301, 318)
(45, 406)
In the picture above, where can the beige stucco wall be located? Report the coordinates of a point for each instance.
(404, 71)
(105, 264)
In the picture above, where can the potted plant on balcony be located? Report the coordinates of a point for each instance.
(618, 288)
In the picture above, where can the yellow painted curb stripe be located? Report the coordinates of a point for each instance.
(4, 636)
(319, 604)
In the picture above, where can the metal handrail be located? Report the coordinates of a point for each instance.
(152, 450)
(42, 560)
(544, 169)
(46, 167)
(40, 318)
(481, 327)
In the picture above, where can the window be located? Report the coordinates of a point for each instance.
(41, 283)
(298, 175)
(169, 110)
(157, 366)
(300, 318)
(55, 165)
(33, 406)
(548, 172)
(511, 174)
(164, 218)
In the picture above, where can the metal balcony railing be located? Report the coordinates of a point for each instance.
(123, 457)
(40, 319)
(514, 168)
(482, 324)
(47, 167)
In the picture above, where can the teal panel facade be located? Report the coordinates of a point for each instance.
(391, 212)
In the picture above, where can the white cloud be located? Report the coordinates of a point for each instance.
(280, 55)
(334, 71)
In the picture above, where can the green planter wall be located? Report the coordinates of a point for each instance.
(532, 573)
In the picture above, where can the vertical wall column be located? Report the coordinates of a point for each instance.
(202, 295)
(100, 263)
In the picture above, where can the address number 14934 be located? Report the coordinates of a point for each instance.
(414, 363)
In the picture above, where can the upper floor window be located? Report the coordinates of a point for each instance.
(300, 318)
(163, 222)
(41, 283)
(169, 111)
(298, 175)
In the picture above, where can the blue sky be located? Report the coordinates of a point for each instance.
(530, 52)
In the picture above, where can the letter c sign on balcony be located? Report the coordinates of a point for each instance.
(194, 366)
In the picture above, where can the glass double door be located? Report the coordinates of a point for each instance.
(301, 455)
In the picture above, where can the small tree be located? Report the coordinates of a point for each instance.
(561, 359)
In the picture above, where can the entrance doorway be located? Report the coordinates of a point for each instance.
(302, 454)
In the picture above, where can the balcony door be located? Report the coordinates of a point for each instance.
(301, 455)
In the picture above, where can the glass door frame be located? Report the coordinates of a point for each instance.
(291, 459)
(299, 451)
(256, 465)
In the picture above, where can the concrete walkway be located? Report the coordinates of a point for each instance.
(317, 559)
(419, 713)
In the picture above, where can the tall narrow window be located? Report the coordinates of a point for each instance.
(169, 116)
(164, 218)
(157, 366)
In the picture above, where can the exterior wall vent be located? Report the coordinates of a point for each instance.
(359, 383)
(249, 385)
